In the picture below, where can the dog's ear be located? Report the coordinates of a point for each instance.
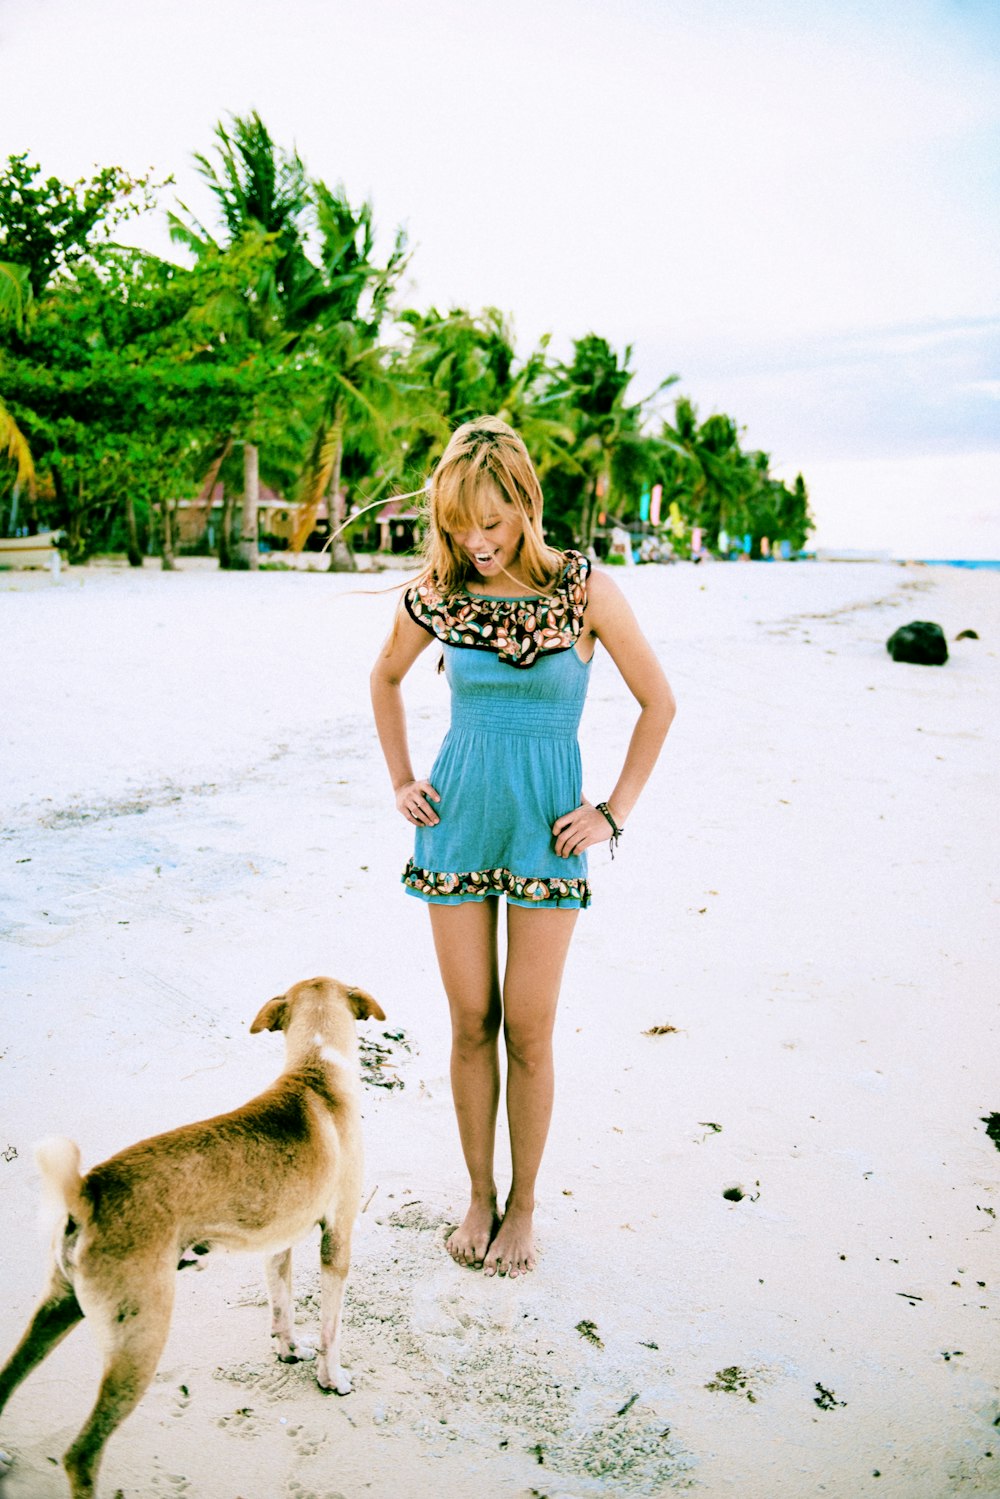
(272, 1017)
(363, 1005)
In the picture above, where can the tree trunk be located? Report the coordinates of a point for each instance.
(133, 550)
(31, 511)
(166, 537)
(251, 500)
(341, 556)
(588, 519)
(225, 530)
(72, 512)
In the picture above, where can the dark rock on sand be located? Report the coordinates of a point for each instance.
(922, 642)
(967, 635)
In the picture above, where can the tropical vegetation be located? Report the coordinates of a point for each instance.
(274, 352)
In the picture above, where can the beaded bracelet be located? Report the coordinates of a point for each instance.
(616, 831)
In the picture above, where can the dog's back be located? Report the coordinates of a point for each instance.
(257, 1178)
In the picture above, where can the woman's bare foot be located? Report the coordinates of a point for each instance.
(512, 1252)
(468, 1243)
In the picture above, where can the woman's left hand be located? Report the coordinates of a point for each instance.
(580, 829)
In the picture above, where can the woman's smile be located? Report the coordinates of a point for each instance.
(494, 545)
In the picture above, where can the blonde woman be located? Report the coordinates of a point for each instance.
(502, 817)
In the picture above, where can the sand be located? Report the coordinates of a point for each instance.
(197, 815)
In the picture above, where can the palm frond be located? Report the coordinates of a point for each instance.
(15, 292)
(14, 446)
(204, 499)
(316, 479)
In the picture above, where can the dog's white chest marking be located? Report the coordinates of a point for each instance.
(335, 1058)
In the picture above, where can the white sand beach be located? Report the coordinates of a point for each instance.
(197, 816)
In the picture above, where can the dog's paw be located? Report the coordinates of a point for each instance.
(299, 1352)
(335, 1381)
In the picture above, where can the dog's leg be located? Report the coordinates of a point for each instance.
(134, 1348)
(57, 1315)
(335, 1261)
(278, 1269)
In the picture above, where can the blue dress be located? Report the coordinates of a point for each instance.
(510, 763)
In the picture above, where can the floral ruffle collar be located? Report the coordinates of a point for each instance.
(517, 630)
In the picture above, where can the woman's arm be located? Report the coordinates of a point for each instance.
(404, 645)
(611, 621)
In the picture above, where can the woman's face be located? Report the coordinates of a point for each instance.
(494, 544)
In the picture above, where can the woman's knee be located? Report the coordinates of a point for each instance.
(474, 1028)
(528, 1046)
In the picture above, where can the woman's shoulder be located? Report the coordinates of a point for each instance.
(604, 596)
(601, 584)
(574, 563)
(572, 574)
(423, 589)
(424, 602)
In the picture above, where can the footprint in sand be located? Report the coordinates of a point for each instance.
(295, 1491)
(437, 1307)
(417, 1215)
(306, 1444)
(175, 1482)
(242, 1423)
(273, 1382)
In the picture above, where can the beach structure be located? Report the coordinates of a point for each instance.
(41, 550)
(199, 521)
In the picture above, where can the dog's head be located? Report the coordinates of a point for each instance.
(314, 1001)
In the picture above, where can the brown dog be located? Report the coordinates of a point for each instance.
(258, 1179)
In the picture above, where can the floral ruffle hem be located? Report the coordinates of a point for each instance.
(443, 886)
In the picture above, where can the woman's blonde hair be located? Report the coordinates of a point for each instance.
(484, 457)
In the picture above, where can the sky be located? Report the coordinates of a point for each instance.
(795, 207)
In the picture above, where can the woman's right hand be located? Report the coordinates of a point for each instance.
(412, 799)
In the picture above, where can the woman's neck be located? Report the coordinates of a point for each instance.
(509, 584)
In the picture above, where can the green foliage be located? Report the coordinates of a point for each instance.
(722, 488)
(128, 381)
(48, 226)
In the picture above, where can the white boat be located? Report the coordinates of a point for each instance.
(31, 551)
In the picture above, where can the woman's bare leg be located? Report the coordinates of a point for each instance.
(465, 937)
(537, 944)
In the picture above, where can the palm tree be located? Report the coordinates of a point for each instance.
(348, 299)
(15, 295)
(263, 280)
(714, 480)
(592, 388)
(460, 365)
(793, 517)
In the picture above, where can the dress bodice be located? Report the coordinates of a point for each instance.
(546, 701)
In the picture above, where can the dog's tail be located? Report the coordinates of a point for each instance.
(59, 1162)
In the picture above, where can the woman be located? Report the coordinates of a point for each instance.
(503, 813)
